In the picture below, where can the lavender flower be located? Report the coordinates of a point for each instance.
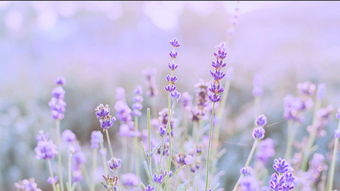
(320, 94)
(103, 114)
(163, 119)
(186, 101)
(60, 81)
(249, 183)
(338, 114)
(306, 88)
(52, 180)
(337, 133)
(57, 103)
(292, 108)
(68, 136)
(216, 88)
(281, 166)
(138, 100)
(282, 179)
(201, 101)
(78, 158)
(150, 77)
(130, 180)
(258, 133)
(261, 121)
(159, 178)
(265, 150)
(27, 185)
(114, 163)
(183, 159)
(149, 188)
(172, 78)
(45, 149)
(42, 136)
(96, 139)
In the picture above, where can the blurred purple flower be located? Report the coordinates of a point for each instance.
(57, 103)
(45, 149)
(114, 163)
(149, 188)
(150, 77)
(138, 102)
(258, 133)
(130, 180)
(27, 185)
(261, 121)
(96, 139)
(103, 114)
(306, 88)
(265, 150)
(257, 86)
(68, 136)
(52, 180)
(60, 81)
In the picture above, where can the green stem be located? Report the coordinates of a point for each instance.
(69, 172)
(250, 156)
(211, 130)
(290, 139)
(312, 137)
(332, 167)
(51, 173)
(103, 158)
(94, 166)
(109, 142)
(60, 172)
(136, 149)
(169, 131)
(149, 143)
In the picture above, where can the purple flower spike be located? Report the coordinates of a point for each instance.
(45, 149)
(149, 188)
(258, 133)
(337, 133)
(103, 114)
(52, 180)
(114, 164)
(27, 185)
(216, 88)
(96, 139)
(338, 114)
(281, 166)
(174, 43)
(138, 100)
(60, 81)
(68, 136)
(261, 121)
(283, 179)
(57, 103)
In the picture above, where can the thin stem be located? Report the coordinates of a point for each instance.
(94, 167)
(60, 171)
(149, 139)
(311, 137)
(169, 131)
(103, 158)
(250, 156)
(109, 142)
(290, 139)
(211, 130)
(51, 173)
(69, 172)
(332, 167)
(136, 149)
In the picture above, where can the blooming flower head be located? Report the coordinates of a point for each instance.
(103, 114)
(114, 163)
(149, 188)
(137, 102)
(216, 89)
(60, 81)
(57, 103)
(160, 177)
(282, 179)
(172, 78)
(27, 185)
(281, 166)
(45, 149)
(96, 139)
(258, 133)
(261, 121)
(68, 136)
(306, 88)
(184, 159)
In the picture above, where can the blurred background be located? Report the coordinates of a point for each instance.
(99, 46)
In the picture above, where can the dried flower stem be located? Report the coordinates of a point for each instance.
(51, 173)
(332, 167)
(211, 130)
(136, 149)
(60, 171)
(149, 141)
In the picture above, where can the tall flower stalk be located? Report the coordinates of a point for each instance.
(216, 90)
(335, 150)
(57, 105)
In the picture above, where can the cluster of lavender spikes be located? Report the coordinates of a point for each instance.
(166, 162)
